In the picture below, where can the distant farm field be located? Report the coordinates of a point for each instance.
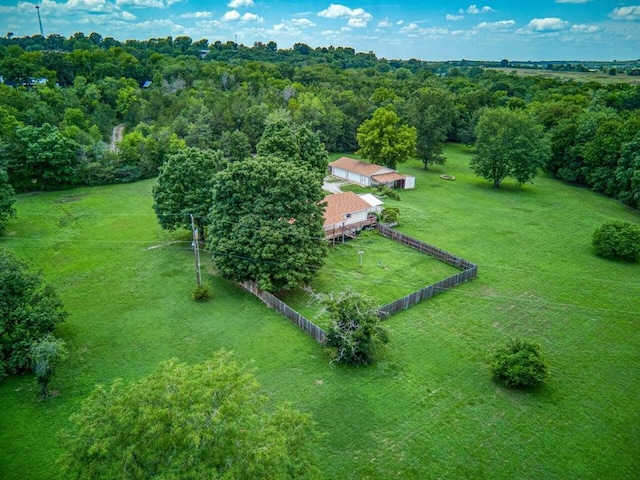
(428, 408)
(579, 77)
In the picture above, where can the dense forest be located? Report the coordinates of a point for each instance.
(62, 97)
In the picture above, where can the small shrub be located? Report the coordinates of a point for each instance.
(355, 334)
(389, 215)
(201, 293)
(384, 191)
(519, 364)
(617, 239)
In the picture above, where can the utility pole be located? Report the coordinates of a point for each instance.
(40, 21)
(196, 249)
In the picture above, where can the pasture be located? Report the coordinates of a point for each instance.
(428, 408)
(568, 76)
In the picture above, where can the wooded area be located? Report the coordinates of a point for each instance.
(62, 97)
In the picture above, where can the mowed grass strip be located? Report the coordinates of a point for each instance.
(428, 408)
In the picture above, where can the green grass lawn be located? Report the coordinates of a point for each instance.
(389, 271)
(428, 408)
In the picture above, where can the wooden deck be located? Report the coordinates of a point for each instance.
(339, 233)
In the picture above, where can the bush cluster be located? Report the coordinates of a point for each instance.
(519, 364)
(617, 239)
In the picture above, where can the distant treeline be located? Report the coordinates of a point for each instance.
(62, 97)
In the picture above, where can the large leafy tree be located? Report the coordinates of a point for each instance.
(266, 223)
(355, 333)
(628, 173)
(29, 310)
(42, 158)
(297, 143)
(235, 145)
(509, 143)
(433, 113)
(184, 188)
(188, 422)
(384, 139)
(7, 199)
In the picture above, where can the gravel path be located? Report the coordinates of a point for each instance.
(116, 136)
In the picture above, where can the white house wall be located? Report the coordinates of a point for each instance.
(409, 182)
(355, 217)
(351, 176)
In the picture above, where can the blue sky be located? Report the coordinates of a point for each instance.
(427, 30)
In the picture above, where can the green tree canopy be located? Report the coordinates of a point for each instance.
(42, 158)
(266, 223)
(45, 355)
(509, 143)
(519, 364)
(188, 422)
(356, 333)
(617, 239)
(184, 188)
(235, 145)
(29, 309)
(7, 199)
(297, 143)
(433, 113)
(383, 139)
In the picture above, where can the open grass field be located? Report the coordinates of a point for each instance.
(579, 77)
(428, 409)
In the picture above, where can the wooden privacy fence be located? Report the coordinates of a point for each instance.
(284, 309)
(469, 271)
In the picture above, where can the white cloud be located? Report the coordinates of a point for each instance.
(454, 18)
(252, 17)
(231, 16)
(585, 29)
(357, 22)
(139, 3)
(303, 22)
(631, 12)
(399, 22)
(234, 16)
(358, 17)
(501, 25)
(385, 23)
(412, 27)
(240, 3)
(474, 10)
(197, 15)
(549, 24)
(414, 30)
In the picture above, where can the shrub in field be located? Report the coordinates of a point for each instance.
(46, 354)
(617, 239)
(355, 333)
(29, 310)
(384, 191)
(201, 293)
(519, 364)
(390, 215)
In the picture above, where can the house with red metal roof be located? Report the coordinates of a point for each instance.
(369, 174)
(347, 213)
